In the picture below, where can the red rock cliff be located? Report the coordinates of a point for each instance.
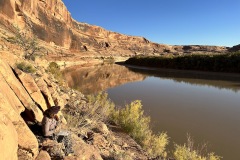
(51, 21)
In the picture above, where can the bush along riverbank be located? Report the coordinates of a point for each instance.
(229, 62)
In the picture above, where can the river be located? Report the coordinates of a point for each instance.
(203, 104)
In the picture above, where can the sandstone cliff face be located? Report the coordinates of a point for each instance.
(9, 139)
(21, 102)
(51, 21)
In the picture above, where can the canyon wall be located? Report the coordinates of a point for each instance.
(51, 22)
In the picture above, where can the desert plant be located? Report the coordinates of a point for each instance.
(54, 69)
(25, 67)
(133, 121)
(108, 60)
(188, 151)
(26, 42)
(99, 108)
(120, 155)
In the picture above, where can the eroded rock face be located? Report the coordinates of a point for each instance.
(50, 21)
(15, 86)
(10, 96)
(32, 88)
(44, 89)
(9, 138)
(26, 139)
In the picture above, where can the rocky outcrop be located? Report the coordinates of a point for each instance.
(32, 88)
(43, 155)
(22, 103)
(50, 21)
(45, 91)
(84, 151)
(25, 138)
(19, 91)
(9, 139)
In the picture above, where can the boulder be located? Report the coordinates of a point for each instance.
(24, 155)
(10, 96)
(32, 88)
(42, 85)
(102, 128)
(26, 139)
(53, 89)
(83, 151)
(43, 155)
(8, 139)
(9, 77)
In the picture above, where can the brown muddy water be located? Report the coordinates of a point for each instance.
(204, 105)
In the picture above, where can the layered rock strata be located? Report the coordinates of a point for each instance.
(51, 22)
(21, 102)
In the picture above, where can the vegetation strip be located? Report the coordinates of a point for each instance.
(229, 62)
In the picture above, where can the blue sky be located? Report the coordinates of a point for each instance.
(175, 22)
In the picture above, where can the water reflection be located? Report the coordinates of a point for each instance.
(91, 80)
(94, 79)
(211, 79)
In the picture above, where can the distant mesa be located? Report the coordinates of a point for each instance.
(235, 48)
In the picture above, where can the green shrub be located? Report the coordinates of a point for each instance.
(184, 153)
(25, 67)
(28, 43)
(99, 108)
(133, 121)
(189, 152)
(108, 60)
(54, 68)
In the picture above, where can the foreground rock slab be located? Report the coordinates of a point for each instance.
(8, 140)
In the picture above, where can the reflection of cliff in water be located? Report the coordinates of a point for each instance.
(94, 79)
(211, 79)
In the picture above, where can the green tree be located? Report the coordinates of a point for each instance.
(29, 44)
